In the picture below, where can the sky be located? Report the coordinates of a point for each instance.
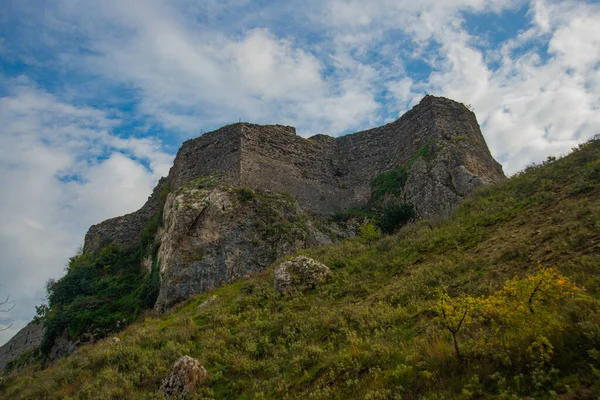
(97, 96)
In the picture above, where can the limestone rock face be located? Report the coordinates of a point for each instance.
(185, 376)
(28, 338)
(299, 274)
(215, 234)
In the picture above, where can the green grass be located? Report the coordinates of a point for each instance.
(374, 331)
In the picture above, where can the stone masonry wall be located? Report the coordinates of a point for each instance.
(305, 168)
(213, 152)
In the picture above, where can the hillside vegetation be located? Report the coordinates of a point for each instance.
(501, 300)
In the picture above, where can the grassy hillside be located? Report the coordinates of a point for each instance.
(500, 300)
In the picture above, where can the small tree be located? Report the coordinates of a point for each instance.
(369, 231)
(455, 314)
(6, 306)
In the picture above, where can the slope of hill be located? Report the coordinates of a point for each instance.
(502, 299)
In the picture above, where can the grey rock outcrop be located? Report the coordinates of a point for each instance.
(184, 377)
(124, 230)
(213, 235)
(27, 339)
(207, 303)
(299, 274)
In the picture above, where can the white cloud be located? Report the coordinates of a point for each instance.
(191, 78)
(43, 218)
(530, 107)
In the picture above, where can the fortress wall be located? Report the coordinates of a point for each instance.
(457, 125)
(369, 153)
(275, 159)
(216, 151)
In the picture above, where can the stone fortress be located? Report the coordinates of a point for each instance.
(327, 175)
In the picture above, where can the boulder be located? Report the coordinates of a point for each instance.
(185, 376)
(207, 303)
(299, 274)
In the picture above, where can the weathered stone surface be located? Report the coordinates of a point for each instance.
(215, 235)
(299, 274)
(62, 347)
(204, 305)
(28, 338)
(184, 378)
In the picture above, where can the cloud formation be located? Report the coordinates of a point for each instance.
(62, 170)
(95, 97)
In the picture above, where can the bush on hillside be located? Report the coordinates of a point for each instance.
(395, 215)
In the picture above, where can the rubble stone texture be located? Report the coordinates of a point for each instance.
(299, 274)
(28, 338)
(184, 378)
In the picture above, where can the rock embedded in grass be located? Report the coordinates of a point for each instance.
(185, 376)
(299, 274)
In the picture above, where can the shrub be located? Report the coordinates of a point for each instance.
(246, 194)
(369, 231)
(98, 295)
(396, 215)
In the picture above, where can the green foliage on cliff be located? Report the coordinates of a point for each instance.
(98, 295)
(391, 183)
(395, 215)
(501, 300)
(150, 287)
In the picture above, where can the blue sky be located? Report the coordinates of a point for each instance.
(97, 96)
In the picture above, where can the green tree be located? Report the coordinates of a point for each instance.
(396, 215)
(369, 231)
